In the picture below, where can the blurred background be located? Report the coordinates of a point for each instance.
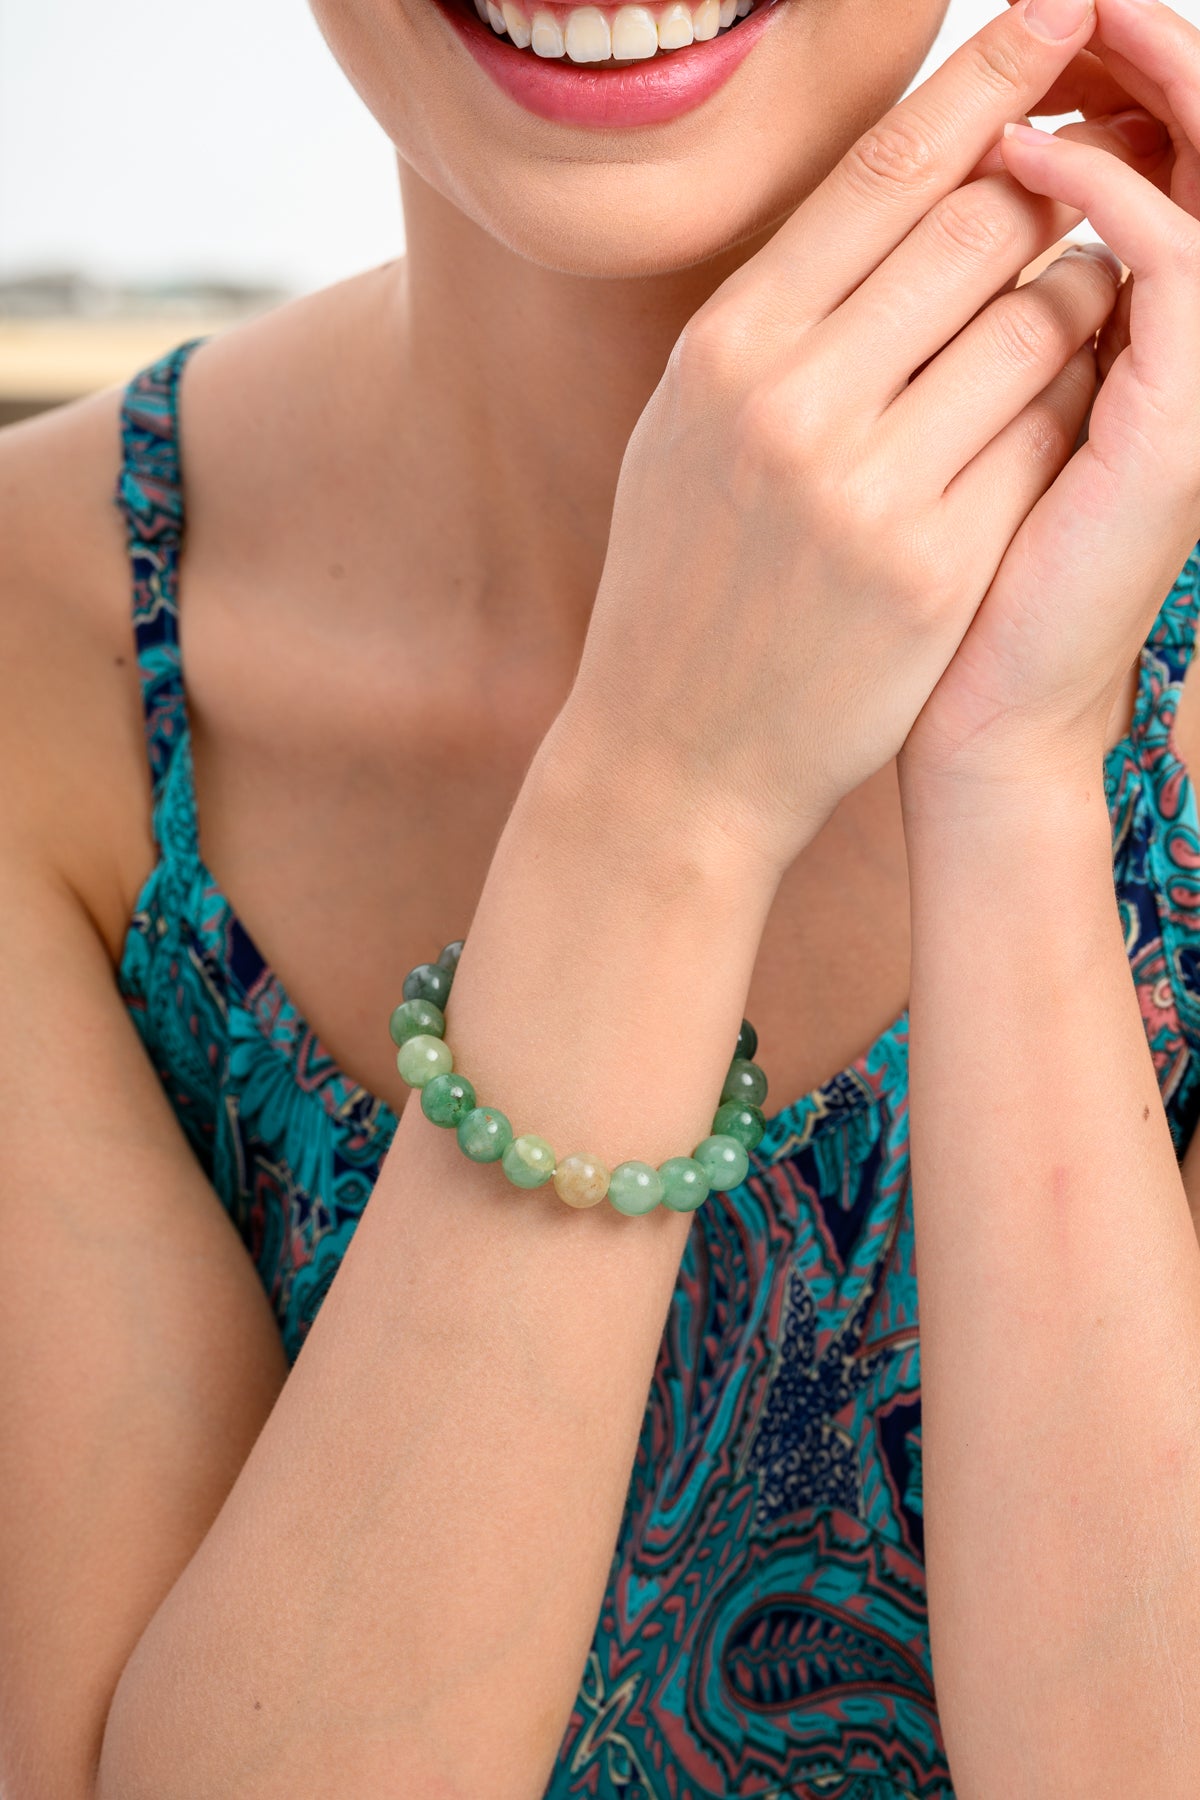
(165, 168)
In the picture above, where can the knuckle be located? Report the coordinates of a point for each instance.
(998, 64)
(707, 361)
(1046, 438)
(863, 496)
(925, 584)
(1026, 332)
(982, 230)
(770, 442)
(1185, 249)
(894, 154)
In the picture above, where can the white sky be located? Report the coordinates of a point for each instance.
(155, 139)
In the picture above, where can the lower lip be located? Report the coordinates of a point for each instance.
(570, 93)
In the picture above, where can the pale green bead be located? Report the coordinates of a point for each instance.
(484, 1134)
(685, 1185)
(422, 1057)
(528, 1161)
(416, 1018)
(635, 1188)
(723, 1160)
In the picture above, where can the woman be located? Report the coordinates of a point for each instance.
(699, 552)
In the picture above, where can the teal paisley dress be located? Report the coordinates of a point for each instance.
(764, 1629)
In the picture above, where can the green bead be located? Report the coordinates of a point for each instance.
(745, 1123)
(428, 981)
(747, 1044)
(447, 1099)
(745, 1082)
(421, 1058)
(635, 1188)
(484, 1134)
(528, 1161)
(451, 953)
(685, 1185)
(412, 1018)
(723, 1160)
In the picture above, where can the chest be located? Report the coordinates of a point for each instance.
(349, 813)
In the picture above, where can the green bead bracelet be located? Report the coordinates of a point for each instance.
(682, 1183)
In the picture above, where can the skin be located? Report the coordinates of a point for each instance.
(388, 426)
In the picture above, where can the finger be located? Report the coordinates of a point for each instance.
(936, 282)
(1155, 54)
(1114, 334)
(999, 364)
(889, 178)
(1156, 403)
(1160, 51)
(997, 489)
(1087, 85)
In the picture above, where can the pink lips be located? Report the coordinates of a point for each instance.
(574, 94)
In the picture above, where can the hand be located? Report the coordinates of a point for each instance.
(1040, 668)
(800, 536)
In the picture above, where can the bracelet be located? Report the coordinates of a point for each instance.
(682, 1183)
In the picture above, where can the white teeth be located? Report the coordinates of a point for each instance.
(675, 26)
(588, 38)
(516, 24)
(547, 39)
(634, 34)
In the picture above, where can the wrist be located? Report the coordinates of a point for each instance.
(1054, 783)
(640, 820)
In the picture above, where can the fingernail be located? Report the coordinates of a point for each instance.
(1145, 135)
(1054, 20)
(1099, 252)
(1028, 134)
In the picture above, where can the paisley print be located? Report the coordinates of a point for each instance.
(764, 1628)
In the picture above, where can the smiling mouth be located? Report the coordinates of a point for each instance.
(613, 37)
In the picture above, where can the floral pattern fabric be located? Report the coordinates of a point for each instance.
(764, 1631)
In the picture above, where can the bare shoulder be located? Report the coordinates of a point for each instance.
(69, 725)
(76, 780)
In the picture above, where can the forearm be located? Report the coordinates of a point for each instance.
(1060, 1316)
(399, 1593)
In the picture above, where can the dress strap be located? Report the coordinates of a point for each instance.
(1169, 648)
(150, 497)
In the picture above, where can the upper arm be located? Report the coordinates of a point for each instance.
(138, 1354)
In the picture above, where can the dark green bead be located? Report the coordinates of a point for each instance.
(450, 955)
(747, 1043)
(723, 1160)
(484, 1134)
(685, 1185)
(428, 981)
(745, 1123)
(412, 1018)
(745, 1082)
(447, 1099)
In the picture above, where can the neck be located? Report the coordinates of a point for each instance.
(527, 383)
